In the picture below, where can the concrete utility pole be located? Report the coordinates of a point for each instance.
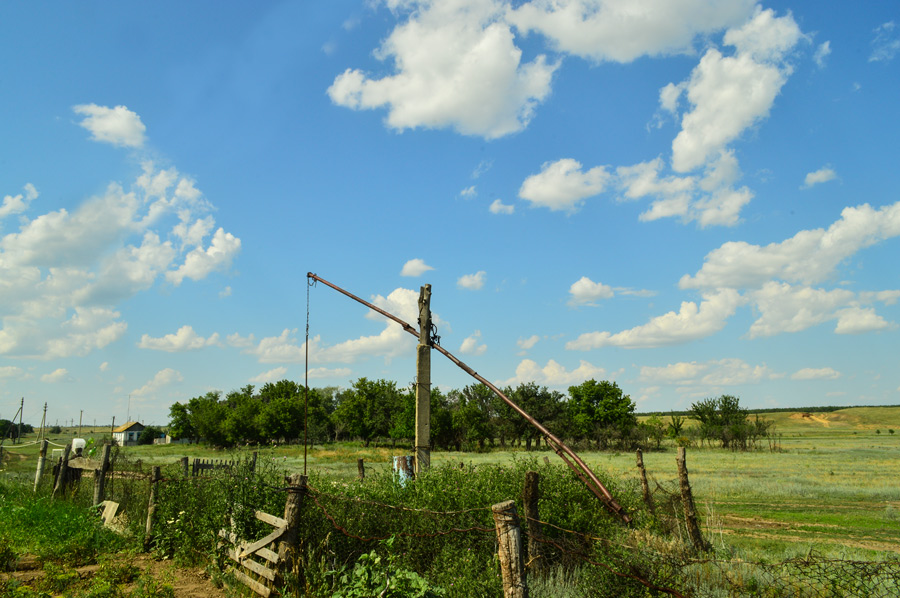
(80, 415)
(43, 420)
(21, 411)
(423, 382)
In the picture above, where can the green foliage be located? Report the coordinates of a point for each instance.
(149, 434)
(376, 575)
(276, 413)
(367, 410)
(55, 531)
(191, 511)
(723, 420)
(601, 410)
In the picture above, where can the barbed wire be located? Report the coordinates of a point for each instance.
(397, 507)
(436, 534)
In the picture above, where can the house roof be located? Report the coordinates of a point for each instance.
(137, 426)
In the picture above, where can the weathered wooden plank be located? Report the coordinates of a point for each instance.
(271, 519)
(252, 565)
(269, 555)
(250, 548)
(84, 463)
(251, 583)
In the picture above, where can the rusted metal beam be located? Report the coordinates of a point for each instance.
(570, 457)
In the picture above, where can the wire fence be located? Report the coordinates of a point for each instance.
(343, 524)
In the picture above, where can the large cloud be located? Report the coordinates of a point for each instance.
(691, 322)
(730, 93)
(455, 65)
(623, 30)
(809, 257)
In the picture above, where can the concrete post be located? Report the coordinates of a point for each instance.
(423, 382)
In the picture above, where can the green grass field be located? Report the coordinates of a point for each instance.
(832, 486)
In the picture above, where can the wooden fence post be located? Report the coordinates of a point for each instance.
(645, 486)
(687, 501)
(287, 547)
(530, 496)
(62, 475)
(42, 457)
(253, 462)
(361, 467)
(509, 540)
(151, 506)
(100, 475)
(185, 466)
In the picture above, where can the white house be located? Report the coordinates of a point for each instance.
(128, 434)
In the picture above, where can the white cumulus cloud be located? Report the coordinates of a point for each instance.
(118, 126)
(415, 267)
(823, 175)
(691, 322)
(57, 375)
(161, 380)
(472, 282)
(471, 346)
(553, 374)
(816, 374)
(562, 185)
(185, 339)
(455, 65)
(498, 207)
(623, 31)
(585, 291)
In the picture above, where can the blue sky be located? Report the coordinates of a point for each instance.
(689, 197)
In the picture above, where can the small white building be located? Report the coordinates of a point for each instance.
(128, 434)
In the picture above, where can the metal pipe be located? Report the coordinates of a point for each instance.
(576, 464)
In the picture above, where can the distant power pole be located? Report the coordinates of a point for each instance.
(21, 410)
(43, 419)
(80, 414)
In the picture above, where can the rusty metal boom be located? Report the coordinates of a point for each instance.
(571, 459)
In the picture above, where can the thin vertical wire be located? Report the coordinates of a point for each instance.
(306, 381)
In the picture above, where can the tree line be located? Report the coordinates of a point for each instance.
(592, 415)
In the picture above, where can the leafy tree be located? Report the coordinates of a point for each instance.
(540, 403)
(723, 420)
(207, 416)
(601, 410)
(180, 424)
(655, 429)
(149, 434)
(475, 415)
(676, 425)
(366, 410)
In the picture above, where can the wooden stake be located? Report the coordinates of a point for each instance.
(531, 494)
(687, 501)
(151, 506)
(288, 546)
(645, 486)
(100, 475)
(62, 475)
(42, 457)
(362, 469)
(509, 540)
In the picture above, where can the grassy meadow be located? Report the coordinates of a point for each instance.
(830, 485)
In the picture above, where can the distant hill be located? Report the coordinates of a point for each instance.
(881, 418)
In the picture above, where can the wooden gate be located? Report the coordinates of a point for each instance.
(257, 565)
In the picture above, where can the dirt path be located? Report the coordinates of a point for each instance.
(186, 582)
